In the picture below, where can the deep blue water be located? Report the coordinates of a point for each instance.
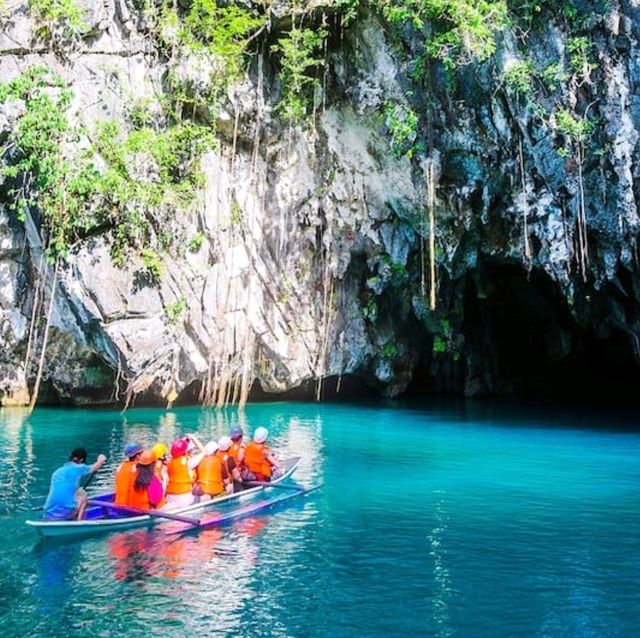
(439, 519)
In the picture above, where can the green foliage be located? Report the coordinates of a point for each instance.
(147, 175)
(175, 310)
(348, 9)
(216, 34)
(195, 242)
(223, 31)
(41, 175)
(580, 56)
(554, 76)
(519, 77)
(370, 308)
(173, 151)
(465, 29)
(569, 11)
(439, 345)
(171, 158)
(139, 113)
(402, 123)
(444, 340)
(397, 271)
(527, 11)
(389, 350)
(299, 60)
(237, 215)
(573, 128)
(63, 15)
(152, 263)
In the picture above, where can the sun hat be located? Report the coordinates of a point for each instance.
(224, 443)
(260, 435)
(210, 448)
(132, 449)
(147, 458)
(236, 433)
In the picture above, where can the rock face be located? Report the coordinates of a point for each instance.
(313, 251)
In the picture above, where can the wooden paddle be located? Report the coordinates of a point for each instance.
(153, 513)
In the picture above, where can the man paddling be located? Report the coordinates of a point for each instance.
(67, 499)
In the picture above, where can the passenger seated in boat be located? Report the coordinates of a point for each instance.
(211, 477)
(126, 473)
(181, 470)
(237, 449)
(160, 466)
(67, 499)
(228, 464)
(147, 490)
(260, 462)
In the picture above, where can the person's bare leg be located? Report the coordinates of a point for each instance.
(81, 502)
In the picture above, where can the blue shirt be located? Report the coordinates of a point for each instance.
(61, 501)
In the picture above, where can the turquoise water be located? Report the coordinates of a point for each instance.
(448, 519)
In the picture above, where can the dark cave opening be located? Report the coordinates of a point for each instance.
(522, 340)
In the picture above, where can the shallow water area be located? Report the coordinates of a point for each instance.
(438, 519)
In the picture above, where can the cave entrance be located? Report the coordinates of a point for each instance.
(522, 340)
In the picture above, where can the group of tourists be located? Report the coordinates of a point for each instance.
(161, 478)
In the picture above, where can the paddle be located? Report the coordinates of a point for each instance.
(89, 479)
(152, 513)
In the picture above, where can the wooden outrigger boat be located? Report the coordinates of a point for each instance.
(102, 517)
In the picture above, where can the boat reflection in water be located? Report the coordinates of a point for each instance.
(204, 571)
(55, 566)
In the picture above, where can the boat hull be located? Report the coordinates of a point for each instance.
(97, 523)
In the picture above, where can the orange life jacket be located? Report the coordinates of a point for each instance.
(234, 452)
(209, 473)
(180, 476)
(125, 477)
(254, 459)
(139, 499)
(224, 457)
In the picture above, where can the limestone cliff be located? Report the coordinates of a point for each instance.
(306, 253)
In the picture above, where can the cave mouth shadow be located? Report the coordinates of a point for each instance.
(526, 342)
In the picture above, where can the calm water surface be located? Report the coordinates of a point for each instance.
(445, 519)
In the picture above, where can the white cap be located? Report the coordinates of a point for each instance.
(260, 435)
(210, 448)
(224, 443)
